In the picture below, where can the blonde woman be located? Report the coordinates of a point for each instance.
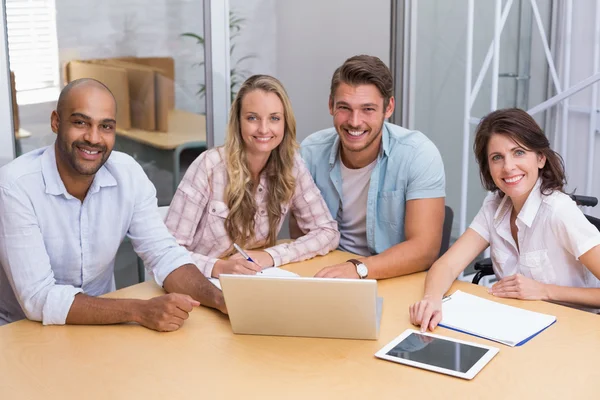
(241, 192)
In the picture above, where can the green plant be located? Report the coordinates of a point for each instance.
(237, 74)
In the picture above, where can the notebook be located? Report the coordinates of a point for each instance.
(491, 320)
(271, 271)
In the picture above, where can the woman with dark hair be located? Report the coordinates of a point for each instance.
(542, 246)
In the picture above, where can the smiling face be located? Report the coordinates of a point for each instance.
(358, 115)
(513, 168)
(262, 122)
(85, 127)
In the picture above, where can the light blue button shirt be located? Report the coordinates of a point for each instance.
(52, 246)
(409, 167)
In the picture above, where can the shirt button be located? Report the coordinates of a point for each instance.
(262, 212)
(213, 210)
(260, 189)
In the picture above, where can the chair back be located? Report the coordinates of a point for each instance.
(595, 221)
(447, 230)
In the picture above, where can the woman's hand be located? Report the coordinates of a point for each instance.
(519, 287)
(260, 257)
(426, 313)
(238, 266)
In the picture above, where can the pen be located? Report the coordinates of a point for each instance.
(243, 253)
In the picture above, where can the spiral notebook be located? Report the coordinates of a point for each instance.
(491, 320)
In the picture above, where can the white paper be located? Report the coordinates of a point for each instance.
(271, 271)
(492, 320)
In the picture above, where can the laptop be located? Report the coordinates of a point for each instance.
(309, 307)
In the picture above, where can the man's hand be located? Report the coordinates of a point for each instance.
(519, 287)
(235, 266)
(343, 270)
(260, 257)
(166, 313)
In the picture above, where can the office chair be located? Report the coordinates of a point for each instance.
(446, 230)
(484, 267)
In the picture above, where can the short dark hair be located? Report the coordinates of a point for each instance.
(365, 70)
(522, 128)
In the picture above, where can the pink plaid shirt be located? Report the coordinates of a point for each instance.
(198, 211)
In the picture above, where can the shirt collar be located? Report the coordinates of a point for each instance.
(529, 210)
(384, 148)
(532, 204)
(54, 183)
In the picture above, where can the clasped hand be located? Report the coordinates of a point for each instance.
(166, 313)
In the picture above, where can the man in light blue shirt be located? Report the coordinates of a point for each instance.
(384, 184)
(64, 211)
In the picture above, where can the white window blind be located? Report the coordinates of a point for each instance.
(32, 43)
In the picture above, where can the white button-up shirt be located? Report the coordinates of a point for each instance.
(53, 246)
(552, 234)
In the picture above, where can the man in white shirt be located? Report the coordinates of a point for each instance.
(64, 211)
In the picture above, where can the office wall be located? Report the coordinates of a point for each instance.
(314, 37)
(578, 123)
(113, 28)
(440, 81)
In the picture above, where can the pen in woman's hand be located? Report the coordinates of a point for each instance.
(243, 253)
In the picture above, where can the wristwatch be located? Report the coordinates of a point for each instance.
(361, 269)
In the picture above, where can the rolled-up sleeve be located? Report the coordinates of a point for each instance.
(572, 229)
(187, 207)
(25, 261)
(150, 237)
(313, 217)
(426, 177)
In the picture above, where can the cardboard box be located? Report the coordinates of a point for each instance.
(142, 93)
(164, 86)
(15, 106)
(167, 67)
(114, 78)
(150, 89)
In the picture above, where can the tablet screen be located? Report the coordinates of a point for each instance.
(438, 352)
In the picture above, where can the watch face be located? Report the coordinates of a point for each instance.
(362, 270)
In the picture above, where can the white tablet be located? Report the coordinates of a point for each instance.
(438, 353)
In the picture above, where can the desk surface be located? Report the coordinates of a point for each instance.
(205, 360)
(184, 128)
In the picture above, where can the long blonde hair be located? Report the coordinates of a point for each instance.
(239, 193)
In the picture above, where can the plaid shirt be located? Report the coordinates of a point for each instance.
(198, 212)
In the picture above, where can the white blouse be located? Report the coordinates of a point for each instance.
(552, 234)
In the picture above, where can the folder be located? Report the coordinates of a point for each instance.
(491, 320)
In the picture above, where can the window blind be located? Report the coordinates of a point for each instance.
(32, 43)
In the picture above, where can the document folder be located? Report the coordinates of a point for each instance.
(491, 320)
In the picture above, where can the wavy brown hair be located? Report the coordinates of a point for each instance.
(519, 126)
(239, 193)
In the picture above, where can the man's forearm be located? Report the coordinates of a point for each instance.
(87, 310)
(188, 279)
(402, 259)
